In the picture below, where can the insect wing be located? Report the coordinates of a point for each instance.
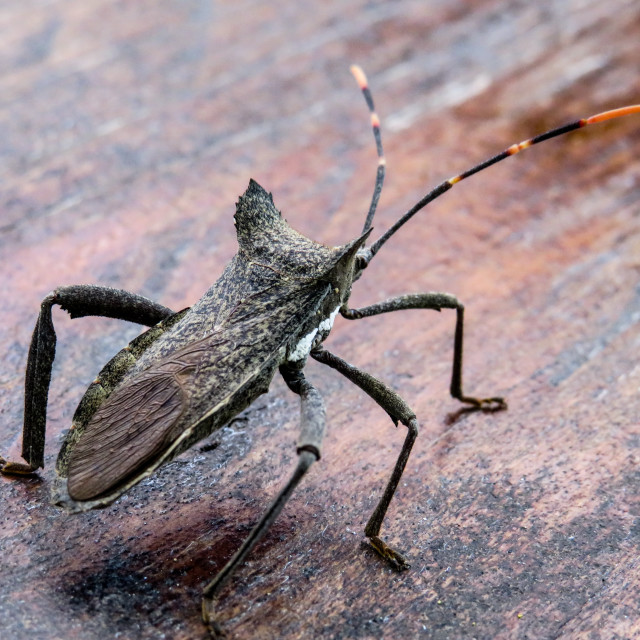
(144, 416)
(134, 426)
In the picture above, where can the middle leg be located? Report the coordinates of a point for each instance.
(312, 428)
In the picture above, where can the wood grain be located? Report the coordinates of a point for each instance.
(128, 132)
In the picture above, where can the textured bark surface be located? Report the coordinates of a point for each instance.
(128, 132)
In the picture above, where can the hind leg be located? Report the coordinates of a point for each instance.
(78, 301)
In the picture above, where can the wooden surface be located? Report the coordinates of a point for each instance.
(128, 131)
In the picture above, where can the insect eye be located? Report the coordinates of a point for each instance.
(361, 263)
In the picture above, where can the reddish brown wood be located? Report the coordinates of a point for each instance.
(129, 130)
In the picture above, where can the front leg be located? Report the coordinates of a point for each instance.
(78, 301)
(435, 301)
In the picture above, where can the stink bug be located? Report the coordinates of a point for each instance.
(192, 371)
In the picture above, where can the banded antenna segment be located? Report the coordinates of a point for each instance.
(361, 79)
(447, 184)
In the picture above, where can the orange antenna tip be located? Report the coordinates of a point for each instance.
(358, 74)
(375, 121)
(614, 113)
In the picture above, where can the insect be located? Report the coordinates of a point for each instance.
(192, 371)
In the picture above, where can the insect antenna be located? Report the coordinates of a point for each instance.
(361, 79)
(447, 184)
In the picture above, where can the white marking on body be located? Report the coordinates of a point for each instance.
(303, 347)
(327, 324)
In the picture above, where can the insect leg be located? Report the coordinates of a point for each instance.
(435, 301)
(399, 411)
(78, 301)
(312, 419)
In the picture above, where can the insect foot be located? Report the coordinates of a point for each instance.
(486, 404)
(215, 630)
(393, 557)
(15, 468)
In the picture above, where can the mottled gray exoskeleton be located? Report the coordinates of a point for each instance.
(193, 371)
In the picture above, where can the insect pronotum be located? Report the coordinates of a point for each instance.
(192, 371)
